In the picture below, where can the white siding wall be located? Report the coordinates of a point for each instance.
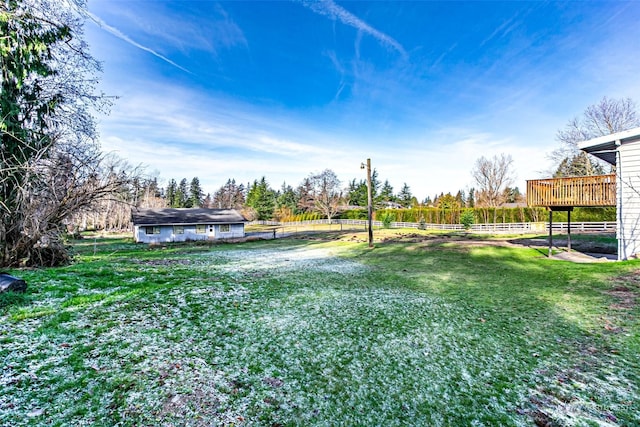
(167, 233)
(235, 231)
(629, 200)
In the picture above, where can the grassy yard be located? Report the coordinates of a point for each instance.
(422, 330)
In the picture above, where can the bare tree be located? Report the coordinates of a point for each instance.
(68, 181)
(492, 176)
(106, 200)
(326, 193)
(47, 129)
(604, 118)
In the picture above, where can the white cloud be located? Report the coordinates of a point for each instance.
(208, 27)
(333, 11)
(119, 34)
(180, 118)
(179, 134)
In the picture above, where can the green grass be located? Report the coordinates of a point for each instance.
(321, 332)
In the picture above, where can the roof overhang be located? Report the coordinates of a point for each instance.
(185, 216)
(605, 147)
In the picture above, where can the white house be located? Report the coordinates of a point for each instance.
(186, 224)
(622, 150)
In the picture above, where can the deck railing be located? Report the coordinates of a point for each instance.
(598, 190)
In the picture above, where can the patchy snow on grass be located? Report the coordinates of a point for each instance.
(283, 260)
(142, 365)
(285, 336)
(365, 357)
(560, 397)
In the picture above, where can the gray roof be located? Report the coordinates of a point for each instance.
(186, 216)
(605, 147)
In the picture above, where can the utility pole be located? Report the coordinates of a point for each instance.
(369, 201)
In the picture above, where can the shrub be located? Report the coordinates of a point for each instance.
(467, 219)
(387, 218)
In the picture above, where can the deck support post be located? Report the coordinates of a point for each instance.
(550, 231)
(566, 209)
(569, 231)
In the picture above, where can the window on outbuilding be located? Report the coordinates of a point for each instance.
(152, 230)
(178, 229)
(201, 228)
(225, 228)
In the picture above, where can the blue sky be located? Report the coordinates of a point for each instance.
(240, 90)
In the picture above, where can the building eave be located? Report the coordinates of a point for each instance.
(188, 223)
(605, 147)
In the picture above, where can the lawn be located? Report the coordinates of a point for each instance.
(421, 330)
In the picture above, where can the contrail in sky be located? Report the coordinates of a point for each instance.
(332, 10)
(100, 23)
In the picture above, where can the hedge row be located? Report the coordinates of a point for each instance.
(307, 216)
(486, 215)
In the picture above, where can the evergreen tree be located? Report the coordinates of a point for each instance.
(512, 195)
(375, 184)
(195, 193)
(405, 198)
(287, 198)
(386, 194)
(471, 201)
(581, 164)
(262, 199)
(239, 198)
(357, 192)
(172, 189)
(182, 195)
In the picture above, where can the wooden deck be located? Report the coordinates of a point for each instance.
(598, 190)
